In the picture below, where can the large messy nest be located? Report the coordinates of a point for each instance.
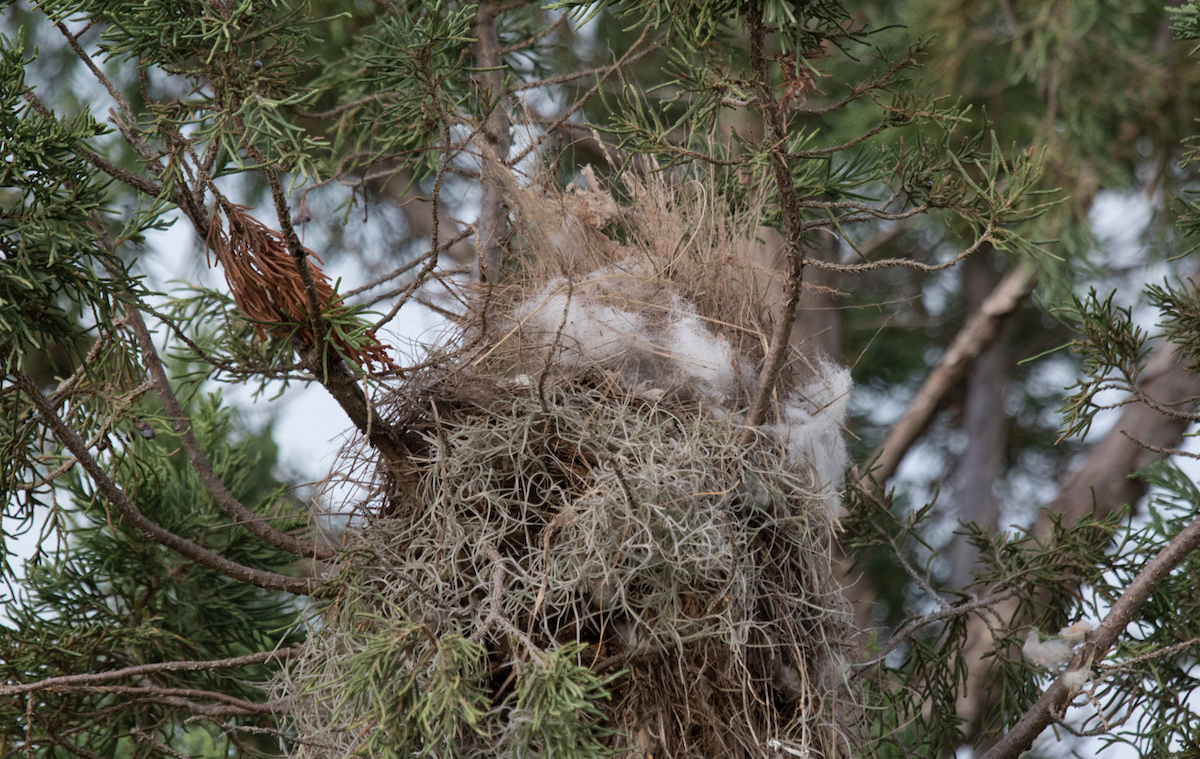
(592, 559)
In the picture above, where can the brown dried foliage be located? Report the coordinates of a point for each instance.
(268, 289)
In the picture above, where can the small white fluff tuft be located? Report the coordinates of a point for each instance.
(810, 427)
(1076, 678)
(1077, 632)
(1051, 654)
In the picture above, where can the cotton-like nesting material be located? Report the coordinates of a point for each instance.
(585, 515)
(598, 324)
(1053, 653)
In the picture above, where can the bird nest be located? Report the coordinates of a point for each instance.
(588, 574)
(591, 555)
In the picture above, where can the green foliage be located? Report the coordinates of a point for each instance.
(1113, 350)
(405, 78)
(1154, 670)
(915, 692)
(410, 692)
(111, 598)
(556, 709)
(49, 199)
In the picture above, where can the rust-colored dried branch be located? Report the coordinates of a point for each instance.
(267, 288)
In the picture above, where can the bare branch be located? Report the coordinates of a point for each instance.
(600, 71)
(183, 697)
(432, 259)
(793, 227)
(816, 152)
(631, 55)
(93, 678)
(166, 750)
(534, 39)
(978, 332)
(195, 455)
(1041, 714)
(910, 628)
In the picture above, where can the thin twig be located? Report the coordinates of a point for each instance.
(793, 228)
(534, 39)
(431, 261)
(145, 737)
(629, 57)
(147, 669)
(909, 628)
(186, 548)
(184, 697)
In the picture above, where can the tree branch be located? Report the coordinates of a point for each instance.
(312, 299)
(183, 697)
(564, 118)
(493, 212)
(978, 332)
(1057, 696)
(1101, 485)
(148, 669)
(984, 238)
(211, 480)
(910, 627)
(186, 548)
(793, 227)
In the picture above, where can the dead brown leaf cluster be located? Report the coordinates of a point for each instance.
(267, 287)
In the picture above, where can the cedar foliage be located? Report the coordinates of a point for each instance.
(803, 119)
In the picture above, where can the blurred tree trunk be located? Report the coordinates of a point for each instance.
(984, 422)
(818, 326)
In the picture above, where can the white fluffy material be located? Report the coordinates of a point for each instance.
(673, 351)
(1076, 678)
(1077, 632)
(592, 333)
(698, 354)
(1051, 654)
(810, 427)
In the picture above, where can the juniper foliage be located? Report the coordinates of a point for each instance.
(164, 534)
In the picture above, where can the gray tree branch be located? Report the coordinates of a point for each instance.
(1103, 484)
(493, 212)
(979, 331)
(1055, 699)
(972, 496)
